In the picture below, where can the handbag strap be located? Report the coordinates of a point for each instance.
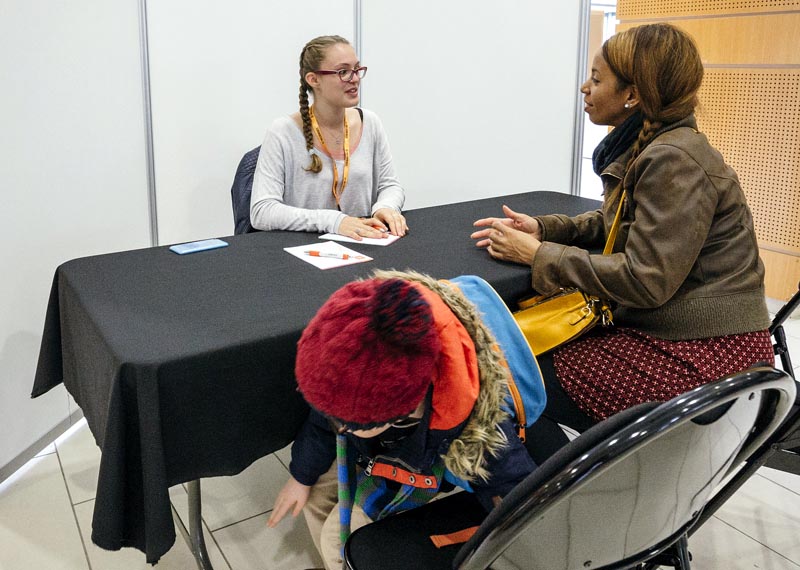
(612, 234)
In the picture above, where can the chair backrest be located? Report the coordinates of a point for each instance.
(779, 336)
(634, 484)
(241, 190)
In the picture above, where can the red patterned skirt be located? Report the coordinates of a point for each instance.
(615, 368)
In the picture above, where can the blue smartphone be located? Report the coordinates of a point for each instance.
(195, 246)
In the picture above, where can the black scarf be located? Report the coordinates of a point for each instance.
(617, 142)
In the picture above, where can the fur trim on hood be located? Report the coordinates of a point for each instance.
(481, 435)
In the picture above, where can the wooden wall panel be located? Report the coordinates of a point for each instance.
(783, 274)
(660, 9)
(751, 116)
(596, 20)
(743, 40)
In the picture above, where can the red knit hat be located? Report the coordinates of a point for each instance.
(369, 354)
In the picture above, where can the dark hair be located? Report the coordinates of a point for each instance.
(310, 59)
(664, 65)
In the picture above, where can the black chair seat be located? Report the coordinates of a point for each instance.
(624, 492)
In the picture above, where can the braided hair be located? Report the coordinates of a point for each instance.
(664, 64)
(310, 59)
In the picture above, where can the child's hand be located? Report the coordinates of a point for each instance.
(292, 497)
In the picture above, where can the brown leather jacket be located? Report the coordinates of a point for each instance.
(685, 263)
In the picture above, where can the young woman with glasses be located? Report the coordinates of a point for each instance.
(328, 167)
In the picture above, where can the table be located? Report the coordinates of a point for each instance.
(183, 365)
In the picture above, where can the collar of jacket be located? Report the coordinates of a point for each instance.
(481, 435)
(617, 168)
(414, 455)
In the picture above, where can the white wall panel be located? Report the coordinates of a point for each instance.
(221, 72)
(72, 175)
(478, 98)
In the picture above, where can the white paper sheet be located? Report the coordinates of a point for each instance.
(327, 247)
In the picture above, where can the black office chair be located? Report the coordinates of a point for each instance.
(623, 494)
(779, 336)
(241, 190)
(781, 450)
(786, 456)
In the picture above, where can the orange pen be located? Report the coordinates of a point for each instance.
(331, 254)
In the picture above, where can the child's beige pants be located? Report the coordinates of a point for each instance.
(322, 517)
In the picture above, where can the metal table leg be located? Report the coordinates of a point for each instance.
(194, 536)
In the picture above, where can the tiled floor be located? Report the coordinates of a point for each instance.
(46, 511)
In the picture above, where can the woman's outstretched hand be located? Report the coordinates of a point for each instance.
(516, 220)
(515, 238)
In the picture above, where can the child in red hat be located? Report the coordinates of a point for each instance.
(406, 386)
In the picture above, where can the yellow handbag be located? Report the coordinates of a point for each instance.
(548, 321)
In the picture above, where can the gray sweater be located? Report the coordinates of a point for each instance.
(287, 197)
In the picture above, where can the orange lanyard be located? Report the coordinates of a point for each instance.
(337, 192)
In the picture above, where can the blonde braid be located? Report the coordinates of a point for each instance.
(316, 163)
(312, 55)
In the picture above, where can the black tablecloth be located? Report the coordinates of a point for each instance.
(183, 365)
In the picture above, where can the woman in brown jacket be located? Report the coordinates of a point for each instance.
(684, 275)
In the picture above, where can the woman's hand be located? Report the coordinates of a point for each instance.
(292, 497)
(516, 220)
(360, 228)
(504, 242)
(393, 219)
